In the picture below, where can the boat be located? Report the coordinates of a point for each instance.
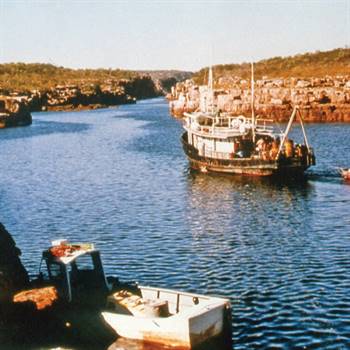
(345, 173)
(218, 142)
(154, 315)
(168, 317)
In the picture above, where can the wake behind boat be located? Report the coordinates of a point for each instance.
(219, 142)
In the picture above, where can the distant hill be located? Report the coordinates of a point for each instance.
(179, 75)
(42, 76)
(39, 76)
(316, 64)
(165, 79)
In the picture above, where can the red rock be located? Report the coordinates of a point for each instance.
(41, 297)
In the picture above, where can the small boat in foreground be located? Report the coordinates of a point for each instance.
(168, 317)
(156, 315)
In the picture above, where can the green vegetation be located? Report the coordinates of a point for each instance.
(24, 77)
(37, 76)
(317, 64)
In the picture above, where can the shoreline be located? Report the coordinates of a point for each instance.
(15, 107)
(324, 100)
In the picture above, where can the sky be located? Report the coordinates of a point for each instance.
(185, 35)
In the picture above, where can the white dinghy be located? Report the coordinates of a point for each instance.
(168, 317)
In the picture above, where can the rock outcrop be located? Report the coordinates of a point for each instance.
(77, 97)
(320, 100)
(14, 111)
(44, 87)
(13, 275)
(41, 297)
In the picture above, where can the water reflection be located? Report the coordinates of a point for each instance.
(222, 204)
(128, 344)
(42, 127)
(118, 177)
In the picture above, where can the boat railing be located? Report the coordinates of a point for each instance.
(264, 126)
(224, 133)
(219, 130)
(264, 130)
(178, 301)
(230, 126)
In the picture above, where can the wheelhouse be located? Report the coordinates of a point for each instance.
(74, 269)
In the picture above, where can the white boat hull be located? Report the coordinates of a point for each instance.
(189, 327)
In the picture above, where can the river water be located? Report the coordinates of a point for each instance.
(118, 177)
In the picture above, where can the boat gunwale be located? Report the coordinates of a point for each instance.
(244, 166)
(184, 293)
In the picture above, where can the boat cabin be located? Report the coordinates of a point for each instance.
(221, 136)
(74, 269)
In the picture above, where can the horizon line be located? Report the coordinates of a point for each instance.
(345, 47)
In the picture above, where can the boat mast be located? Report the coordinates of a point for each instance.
(303, 129)
(252, 101)
(211, 89)
(291, 119)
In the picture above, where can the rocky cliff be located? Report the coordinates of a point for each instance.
(26, 88)
(15, 106)
(320, 99)
(90, 96)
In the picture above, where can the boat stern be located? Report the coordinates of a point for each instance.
(213, 324)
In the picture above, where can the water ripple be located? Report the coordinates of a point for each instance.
(279, 250)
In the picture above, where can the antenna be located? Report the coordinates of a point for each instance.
(252, 102)
(210, 80)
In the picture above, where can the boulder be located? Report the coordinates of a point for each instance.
(13, 275)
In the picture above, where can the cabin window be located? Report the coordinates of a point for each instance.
(86, 273)
(85, 262)
(55, 271)
(58, 277)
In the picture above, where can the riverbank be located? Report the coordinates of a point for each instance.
(320, 100)
(44, 87)
(26, 88)
(16, 106)
(82, 96)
